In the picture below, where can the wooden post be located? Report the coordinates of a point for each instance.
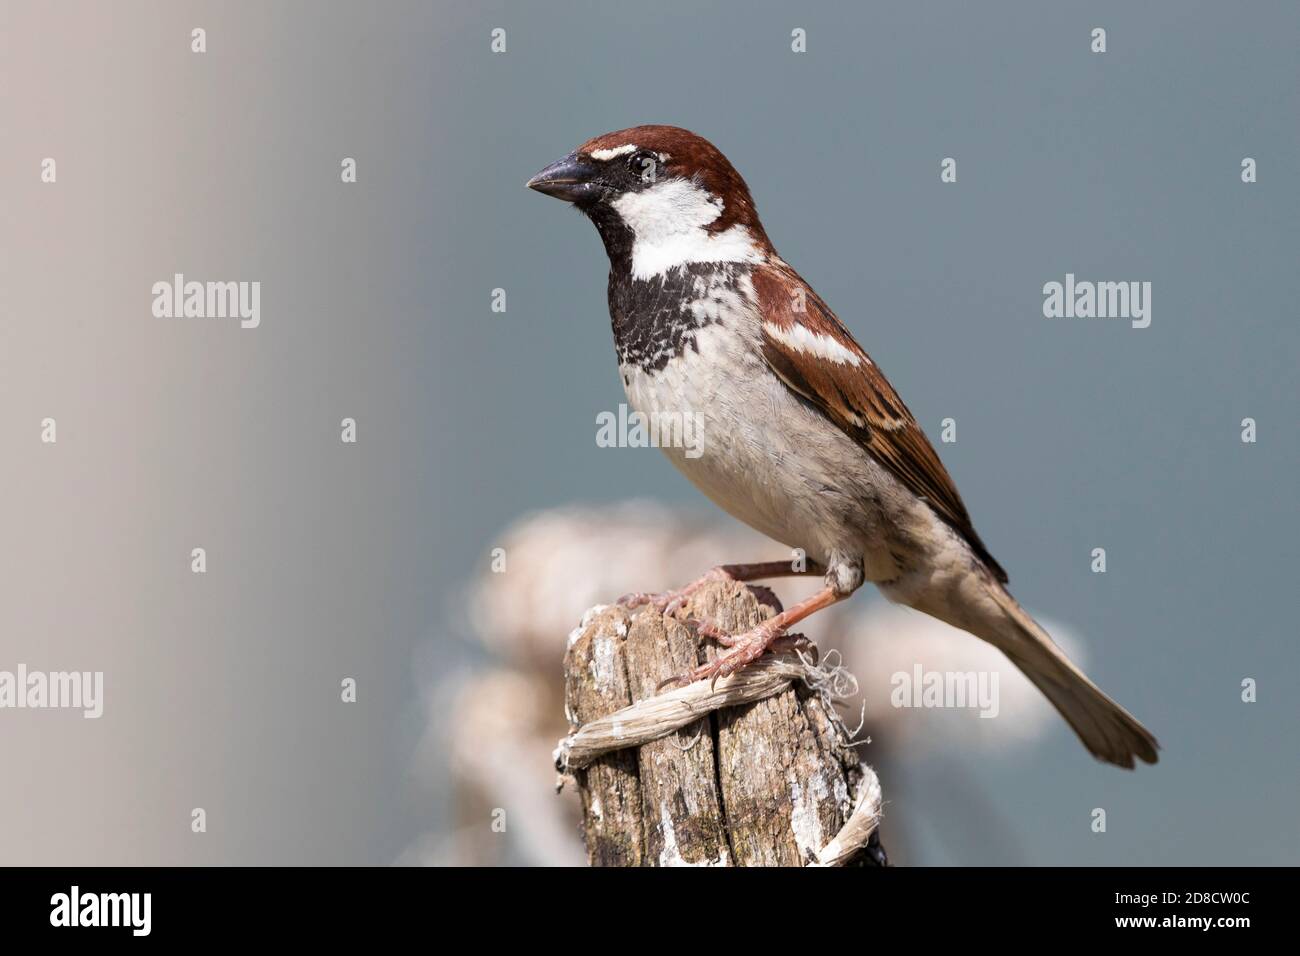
(767, 783)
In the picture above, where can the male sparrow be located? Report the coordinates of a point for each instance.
(804, 438)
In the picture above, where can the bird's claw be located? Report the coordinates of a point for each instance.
(745, 648)
(668, 603)
(682, 679)
(710, 630)
(642, 598)
(673, 601)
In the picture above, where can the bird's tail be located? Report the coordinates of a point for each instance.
(1109, 731)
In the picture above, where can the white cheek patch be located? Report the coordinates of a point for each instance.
(605, 155)
(668, 225)
(802, 339)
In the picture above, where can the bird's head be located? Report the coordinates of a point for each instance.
(661, 197)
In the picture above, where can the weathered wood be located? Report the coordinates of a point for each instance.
(767, 783)
(680, 806)
(595, 685)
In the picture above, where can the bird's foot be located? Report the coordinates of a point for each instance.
(672, 602)
(743, 648)
(748, 646)
(711, 631)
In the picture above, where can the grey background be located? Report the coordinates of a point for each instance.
(328, 560)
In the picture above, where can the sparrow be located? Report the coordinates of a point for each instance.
(805, 440)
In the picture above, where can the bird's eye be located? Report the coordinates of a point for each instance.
(644, 165)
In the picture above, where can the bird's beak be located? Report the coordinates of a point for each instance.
(571, 179)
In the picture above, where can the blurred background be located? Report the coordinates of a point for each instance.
(476, 429)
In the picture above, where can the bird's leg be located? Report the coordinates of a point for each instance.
(750, 645)
(671, 602)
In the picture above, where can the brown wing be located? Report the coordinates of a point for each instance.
(814, 354)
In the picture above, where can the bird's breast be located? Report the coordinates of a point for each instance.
(752, 447)
(658, 319)
(693, 369)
